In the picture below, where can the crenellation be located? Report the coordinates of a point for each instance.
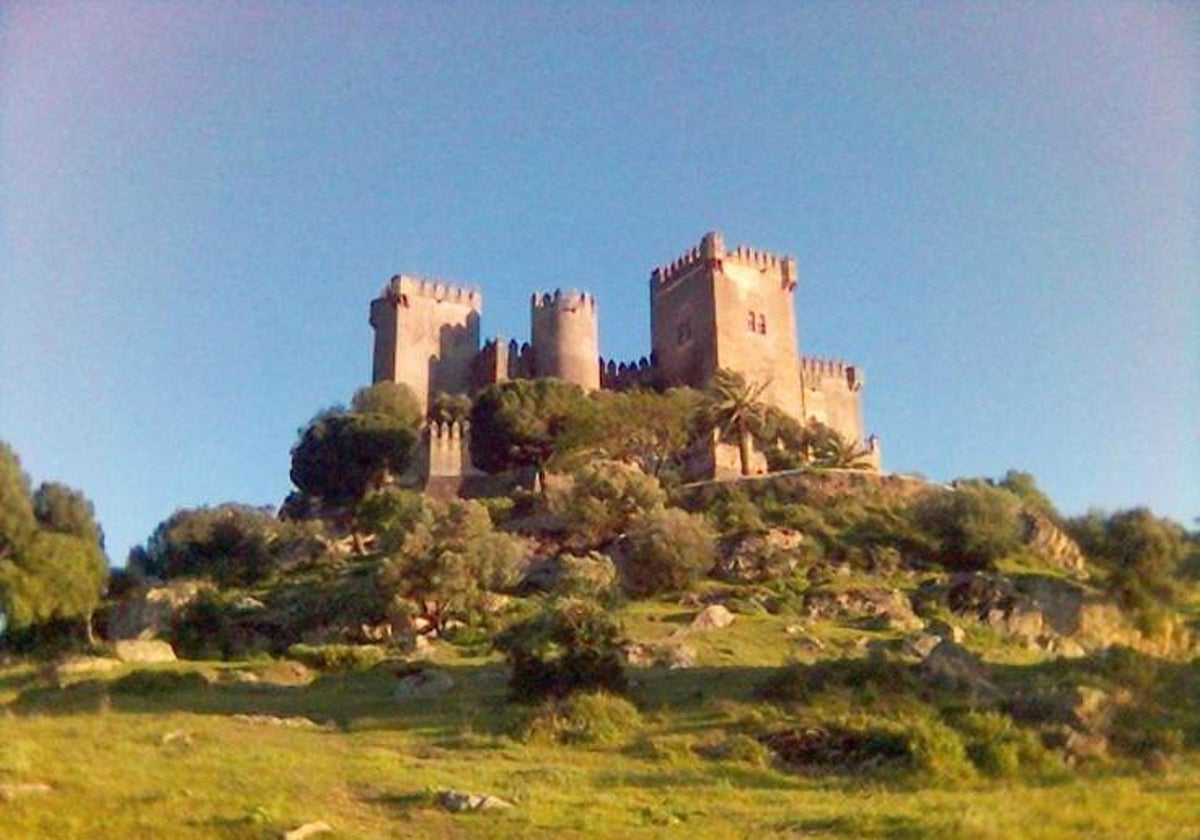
(712, 308)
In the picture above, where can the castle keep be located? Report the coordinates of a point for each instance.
(711, 308)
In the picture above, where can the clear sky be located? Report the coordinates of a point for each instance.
(995, 208)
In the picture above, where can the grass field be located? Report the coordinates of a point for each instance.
(179, 764)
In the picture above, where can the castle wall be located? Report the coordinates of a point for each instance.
(833, 395)
(566, 339)
(714, 309)
(426, 336)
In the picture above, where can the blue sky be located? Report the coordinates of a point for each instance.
(995, 208)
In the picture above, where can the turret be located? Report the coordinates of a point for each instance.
(566, 338)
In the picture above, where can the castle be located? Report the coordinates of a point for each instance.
(711, 308)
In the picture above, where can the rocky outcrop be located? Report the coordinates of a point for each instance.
(144, 651)
(1049, 542)
(714, 616)
(148, 612)
(881, 607)
(755, 558)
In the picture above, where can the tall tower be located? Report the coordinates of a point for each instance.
(426, 336)
(713, 309)
(566, 340)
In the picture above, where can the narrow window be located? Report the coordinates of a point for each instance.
(762, 324)
(752, 321)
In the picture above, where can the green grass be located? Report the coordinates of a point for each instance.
(173, 761)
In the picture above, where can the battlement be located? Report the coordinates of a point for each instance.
(814, 371)
(711, 251)
(439, 290)
(563, 301)
(445, 433)
(625, 375)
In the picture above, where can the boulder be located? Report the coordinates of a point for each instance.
(1049, 542)
(755, 558)
(952, 666)
(457, 801)
(882, 607)
(148, 612)
(714, 616)
(144, 651)
(307, 830)
(673, 654)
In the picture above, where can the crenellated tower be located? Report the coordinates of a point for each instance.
(566, 339)
(426, 335)
(714, 308)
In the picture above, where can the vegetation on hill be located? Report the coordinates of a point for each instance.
(821, 652)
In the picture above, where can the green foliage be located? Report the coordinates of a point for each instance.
(393, 399)
(739, 749)
(734, 407)
(567, 647)
(603, 500)
(937, 751)
(522, 422)
(391, 514)
(55, 576)
(735, 514)
(971, 526)
(65, 510)
(149, 683)
(668, 550)
(590, 577)
(591, 717)
(340, 457)
(338, 658)
(450, 408)
(17, 522)
(1024, 486)
(999, 748)
(450, 561)
(202, 629)
(230, 543)
(642, 427)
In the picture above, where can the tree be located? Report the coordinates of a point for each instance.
(643, 427)
(830, 449)
(450, 408)
(394, 399)
(522, 422)
(1024, 486)
(668, 549)
(604, 499)
(450, 561)
(17, 522)
(64, 510)
(736, 410)
(340, 457)
(971, 526)
(234, 544)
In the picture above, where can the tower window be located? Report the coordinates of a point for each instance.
(762, 324)
(683, 333)
(752, 321)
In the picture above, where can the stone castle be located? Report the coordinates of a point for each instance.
(711, 308)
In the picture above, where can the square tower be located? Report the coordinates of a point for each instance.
(713, 309)
(426, 336)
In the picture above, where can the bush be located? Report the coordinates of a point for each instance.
(153, 683)
(585, 718)
(669, 549)
(591, 577)
(937, 752)
(338, 657)
(604, 500)
(999, 748)
(737, 748)
(569, 646)
(972, 526)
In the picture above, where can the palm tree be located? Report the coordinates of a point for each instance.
(735, 409)
(829, 449)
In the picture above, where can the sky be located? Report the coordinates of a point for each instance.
(995, 209)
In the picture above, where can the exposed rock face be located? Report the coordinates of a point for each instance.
(146, 613)
(886, 608)
(146, 652)
(952, 666)
(1048, 541)
(754, 558)
(671, 654)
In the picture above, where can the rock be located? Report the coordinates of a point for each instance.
(672, 654)
(457, 801)
(754, 558)
(307, 830)
(146, 652)
(248, 603)
(921, 645)
(176, 736)
(147, 612)
(946, 630)
(714, 616)
(1049, 542)
(427, 682)
(284, 722)
(9, 792)
(952, 666)
(884, 608)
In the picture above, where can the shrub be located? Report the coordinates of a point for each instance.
(604, 500)
(737, 748)
(152, 683)
(972, 526)
(999, 748)
(585, 718)
(937, 752)
(569, 646)
(338, 657)
(669, 549)
(592, 577)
